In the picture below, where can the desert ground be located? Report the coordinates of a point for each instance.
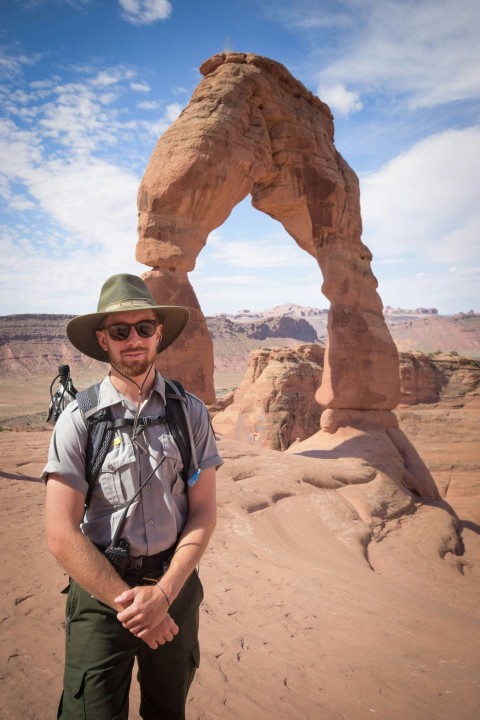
(303, 618)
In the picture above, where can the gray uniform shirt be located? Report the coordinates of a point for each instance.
(157, 516)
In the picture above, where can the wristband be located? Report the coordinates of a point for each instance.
(163, 591)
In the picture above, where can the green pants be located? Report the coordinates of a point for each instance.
(100, 654)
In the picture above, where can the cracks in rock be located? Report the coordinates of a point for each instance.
(22, 599)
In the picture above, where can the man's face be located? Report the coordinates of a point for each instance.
(134, 355)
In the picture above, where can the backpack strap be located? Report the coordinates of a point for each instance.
(178, 421)
(101, 430)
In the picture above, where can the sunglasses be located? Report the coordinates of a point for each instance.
(121, 331)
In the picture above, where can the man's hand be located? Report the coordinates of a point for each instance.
(163, 633)
(147, 615)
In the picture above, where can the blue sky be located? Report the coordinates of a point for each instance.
(88, 86)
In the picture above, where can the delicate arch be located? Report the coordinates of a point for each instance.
(250, 127)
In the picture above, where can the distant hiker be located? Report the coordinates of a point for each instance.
(130, 542)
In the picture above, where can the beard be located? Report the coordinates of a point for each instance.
(132, 368)
(135, 368)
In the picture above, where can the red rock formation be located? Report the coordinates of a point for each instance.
(420, 379)
(430, 378)
(275, 404)
(190, 358)
(274, 407)
(252, 128)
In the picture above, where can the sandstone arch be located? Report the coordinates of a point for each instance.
(250, 127)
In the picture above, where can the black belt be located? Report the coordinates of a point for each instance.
(144, 569)
(145, 563)
(147, 569)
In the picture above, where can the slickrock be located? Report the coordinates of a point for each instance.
(398, 476)
(252, 128)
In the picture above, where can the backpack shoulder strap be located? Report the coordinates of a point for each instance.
(100, 433)
(178, 421)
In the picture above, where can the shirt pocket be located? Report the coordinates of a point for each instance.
(116, 478)
(173, 466)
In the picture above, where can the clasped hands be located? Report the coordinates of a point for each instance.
(146, 615)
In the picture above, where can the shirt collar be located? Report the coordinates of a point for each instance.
(109, 395)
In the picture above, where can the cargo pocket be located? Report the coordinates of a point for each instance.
(70, 606)
(196, 656)
(195, 665)
(72, 703)
(74, 684)
(199, 587)
(88, 695)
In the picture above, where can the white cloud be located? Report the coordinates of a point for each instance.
(84, 230)
(421, 217)
(93, 199)
(172, 111)
(141, 87)
(254, 273)
(13, 62)
(425, 201)
(449, 290)
(111, 76)
(425, 50)
(246, 254)
(68, 205)
(76, 118)
(158, 127)
(66, 282)
(145, 12)
(339, 99)
(147, 105)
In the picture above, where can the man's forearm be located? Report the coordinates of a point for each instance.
(190, 549)
(79, 557)
(90, 569)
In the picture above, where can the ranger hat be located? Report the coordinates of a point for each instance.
(124, 293)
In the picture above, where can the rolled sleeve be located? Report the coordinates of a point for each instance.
(203, 435)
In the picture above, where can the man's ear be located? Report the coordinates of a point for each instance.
(101, 339)
(159, 337)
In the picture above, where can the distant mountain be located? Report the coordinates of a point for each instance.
(36, 344)
(388, 310)
(234, 339)
(277, 311)
(280, 326)
(430, 334)
(314, 316)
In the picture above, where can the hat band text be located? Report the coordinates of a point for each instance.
(126, 304)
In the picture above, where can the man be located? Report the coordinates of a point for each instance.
(151, 612)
